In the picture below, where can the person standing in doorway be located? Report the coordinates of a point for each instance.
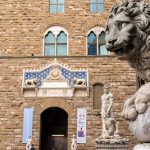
(32, 147)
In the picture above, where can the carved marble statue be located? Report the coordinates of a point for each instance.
(108, 122)
(73, 143)
(128, 36)
(110, 133)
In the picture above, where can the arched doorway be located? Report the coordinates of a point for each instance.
(54, 129)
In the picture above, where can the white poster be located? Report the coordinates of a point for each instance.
(81, 125)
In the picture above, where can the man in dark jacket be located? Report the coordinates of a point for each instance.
(32, 147)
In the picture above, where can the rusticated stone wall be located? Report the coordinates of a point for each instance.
(22, 27)
(101, 69)
(24, 22)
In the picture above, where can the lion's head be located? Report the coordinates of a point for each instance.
(127, 30)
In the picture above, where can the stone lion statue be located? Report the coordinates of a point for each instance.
(31, 82)
(128, 36)
(79, 82)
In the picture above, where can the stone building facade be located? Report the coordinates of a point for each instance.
(23, 27)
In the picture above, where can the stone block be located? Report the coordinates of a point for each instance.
(111, 147)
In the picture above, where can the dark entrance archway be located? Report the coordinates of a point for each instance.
(54, 129)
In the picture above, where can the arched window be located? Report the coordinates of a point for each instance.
(97, 93)
(61, 44)
(96, 42)
(92, 44)
(96, 6)
(49, 44)
(101, 44)
(57, 6)
(55, 42)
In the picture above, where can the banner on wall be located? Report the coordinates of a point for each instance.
(27, 124)
(81, 125)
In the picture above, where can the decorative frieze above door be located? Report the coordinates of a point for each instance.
(56, 80)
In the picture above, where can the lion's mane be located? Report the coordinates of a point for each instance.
(139, 12)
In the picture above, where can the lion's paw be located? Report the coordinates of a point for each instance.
(141, 107)
(130, 113)
(129, 110)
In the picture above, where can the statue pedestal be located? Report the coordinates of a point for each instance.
(144, 146)
(111, 147)
(112, 143)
